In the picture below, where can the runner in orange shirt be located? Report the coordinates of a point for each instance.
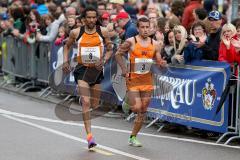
(91, 40)
(143, 51)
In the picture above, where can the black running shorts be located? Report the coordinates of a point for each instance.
(88, 74)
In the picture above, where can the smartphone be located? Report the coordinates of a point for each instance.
(197, 39)
(189, 38)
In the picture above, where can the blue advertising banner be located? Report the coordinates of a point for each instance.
(63, 83)
(189, 95)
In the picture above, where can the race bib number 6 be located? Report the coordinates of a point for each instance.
(90, 54)
(142, 65)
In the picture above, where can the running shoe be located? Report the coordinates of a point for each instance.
(134, 142)
(91, 142)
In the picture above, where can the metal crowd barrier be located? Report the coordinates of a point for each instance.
(42, 61)
(7, 51)
(1, 53)
(21, 58)
(234, 119)
(28, 61)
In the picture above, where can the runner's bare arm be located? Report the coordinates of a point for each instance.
(69, 43)
(161, 62)
(108, 45)
(124, 48)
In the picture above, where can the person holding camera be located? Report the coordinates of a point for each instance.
(32, 25)
(199, 35)
(168, 49)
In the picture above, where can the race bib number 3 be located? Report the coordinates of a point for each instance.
(90, 54)
(142, 65)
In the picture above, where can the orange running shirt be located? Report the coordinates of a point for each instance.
(90, 47)
(141, 59)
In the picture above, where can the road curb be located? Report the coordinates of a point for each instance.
(38, 98)
(28, 95)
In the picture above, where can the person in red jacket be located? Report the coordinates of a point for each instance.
(227, 51)
(236, 39)
(188, 17)
(229, 54)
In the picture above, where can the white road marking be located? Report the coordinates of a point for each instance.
(95, 149)
(74, 138)
(113, 129)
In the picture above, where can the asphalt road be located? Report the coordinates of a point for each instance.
(30, 130)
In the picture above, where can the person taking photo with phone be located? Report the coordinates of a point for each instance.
(198, 36)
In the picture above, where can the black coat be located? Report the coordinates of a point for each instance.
(211, 48)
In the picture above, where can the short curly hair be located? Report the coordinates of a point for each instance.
(199, 23)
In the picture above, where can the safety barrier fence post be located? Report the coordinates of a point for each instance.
(7, 51)
(233, 127)
(11, 59)
(42, 62)
(237, 113)
(1, 54)
(4, 56)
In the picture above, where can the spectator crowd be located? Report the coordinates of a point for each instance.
(187, 30)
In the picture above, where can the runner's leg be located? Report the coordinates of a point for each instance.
(95, 95)
(145, 98)
(136, 105)
(134, 100)
(84, 91)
